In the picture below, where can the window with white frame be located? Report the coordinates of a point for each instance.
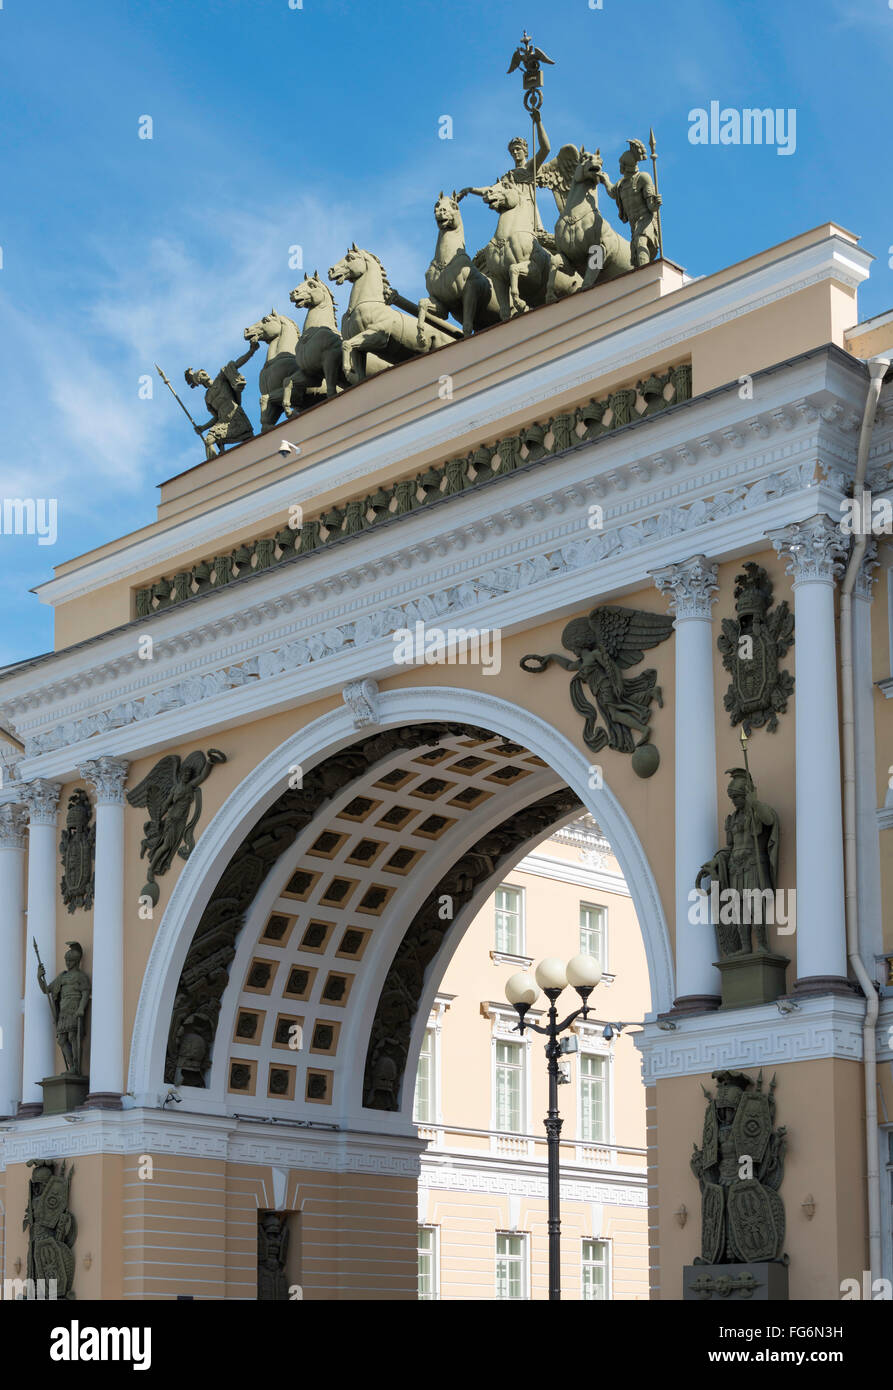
(424, 1110)
(595, 1269)
(429, 1270)
(508, 1083)
(594, 1125)
(593, 932)
(511, 1265)
(510, 920)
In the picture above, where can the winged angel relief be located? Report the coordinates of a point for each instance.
(171, 793)
(605, 644)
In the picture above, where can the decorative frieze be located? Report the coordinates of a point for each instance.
(486, 461)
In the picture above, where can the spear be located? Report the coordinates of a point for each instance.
(753, 824)
(175, 396)
(40, 964)
(653, 143)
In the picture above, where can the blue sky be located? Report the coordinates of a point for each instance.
(317, 126)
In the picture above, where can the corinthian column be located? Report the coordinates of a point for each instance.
(42, 801)
(107, 776)
(692, 589)
(814, 550)
(12, 907)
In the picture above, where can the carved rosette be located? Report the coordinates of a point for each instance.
(815, 549)
(361, 698)
(13, 823)
(42, 800)
(691, 587)
(106, 777)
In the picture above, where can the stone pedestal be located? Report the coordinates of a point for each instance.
(64, 1093)
(753, 1283)
(757, 978)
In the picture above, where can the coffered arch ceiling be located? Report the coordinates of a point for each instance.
(311, 959)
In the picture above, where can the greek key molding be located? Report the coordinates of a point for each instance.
(107, 777)
(825, 1026)
(691, 585)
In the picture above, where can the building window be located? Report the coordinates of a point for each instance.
(594, 1098)
(424, 1108)
(510, 920)
(509, 1082)
(429, 1274)
(511, 1266)
(593, 931)
(595, 1269)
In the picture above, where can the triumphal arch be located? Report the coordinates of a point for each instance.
(543, 544)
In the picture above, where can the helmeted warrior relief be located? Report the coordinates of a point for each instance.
(68, 995)
(739, 1168)
(77, 847)
(171, 792)
(272, 1253)
(752, 646)
(51, 1227)
(605, 644)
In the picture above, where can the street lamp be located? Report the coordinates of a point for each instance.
(522, 990)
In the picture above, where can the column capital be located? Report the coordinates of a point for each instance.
(866, 577)
(42, 801)
(13, 823)
(814, 549)
(691, 586)
(106, 776)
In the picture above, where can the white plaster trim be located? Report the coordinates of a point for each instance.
(151, 1131)
(310, 745)
(822, 1026)
(451, 1171)
(566, 871)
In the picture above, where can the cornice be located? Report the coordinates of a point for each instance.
(566, 871)
(144, 1131)
(671, 323)
(819, 1027)
(447, 1170)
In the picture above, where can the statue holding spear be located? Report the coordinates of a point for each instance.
(68, 995)
(223, 396)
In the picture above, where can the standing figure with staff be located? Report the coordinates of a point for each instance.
(69, 995)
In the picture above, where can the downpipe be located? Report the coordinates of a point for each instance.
(877, 368)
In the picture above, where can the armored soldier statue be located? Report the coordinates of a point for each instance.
(51, 1227)
(228, 423)
(69, 995)
(747, 865)
(637, 203)
(272, 1252)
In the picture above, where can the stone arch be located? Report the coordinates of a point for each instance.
(567, 766)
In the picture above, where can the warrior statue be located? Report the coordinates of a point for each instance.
(637, 203)
(51, 1228)
(521, 172)
(272, 1252)
(69, 995)
(223, 396)
(747, 865)
(739, 1169)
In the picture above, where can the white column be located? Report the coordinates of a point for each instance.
(868, 850)
(42, 800)
(13, 821)
(692, 590)
(814, 549)
(107, 776)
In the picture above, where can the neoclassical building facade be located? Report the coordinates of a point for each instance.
(321, 818)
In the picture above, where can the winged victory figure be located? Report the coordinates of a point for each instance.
(605, 644)
(171, 794)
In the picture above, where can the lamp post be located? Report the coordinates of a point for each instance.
(522, 990)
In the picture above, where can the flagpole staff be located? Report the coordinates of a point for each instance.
(176, 397)
(660, 238)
